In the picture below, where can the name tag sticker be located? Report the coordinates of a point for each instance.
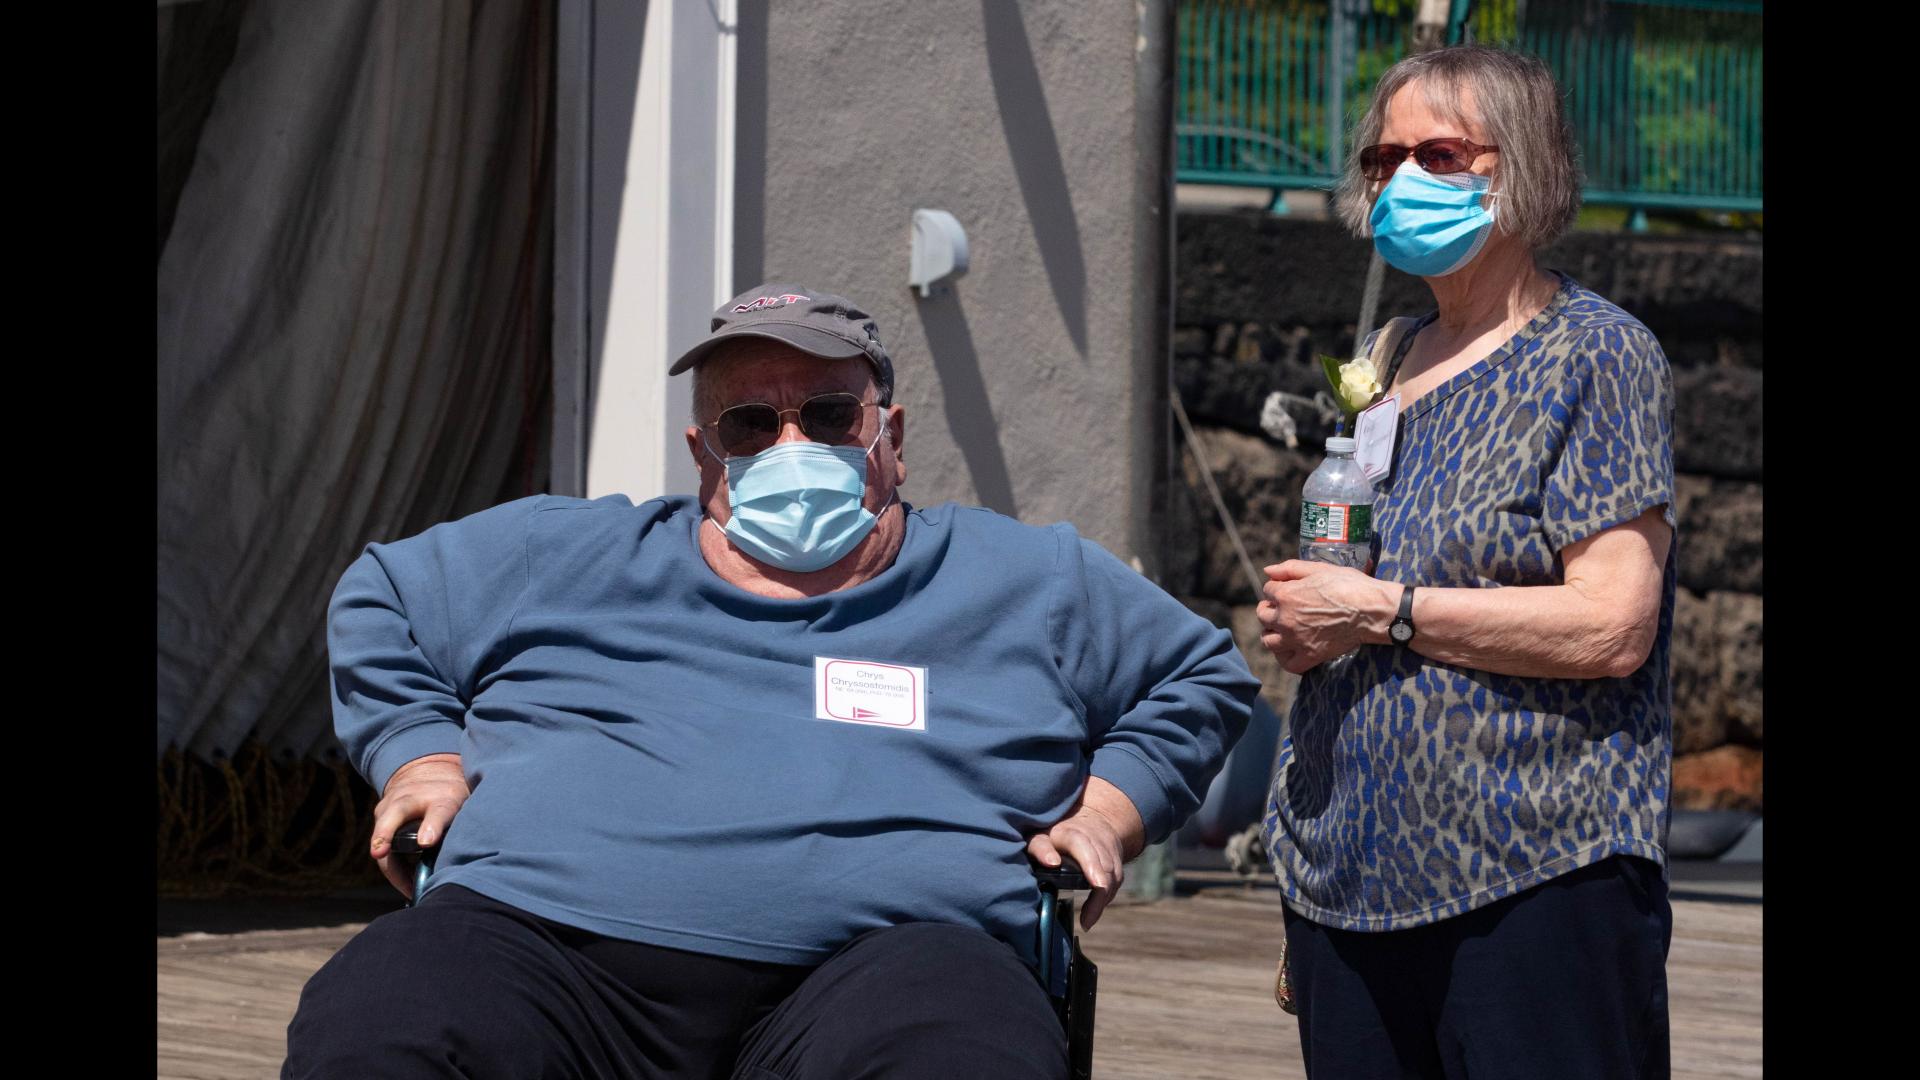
(1373, 436)
(867, 692)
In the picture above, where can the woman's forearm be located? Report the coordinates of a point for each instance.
(1542, 631)
(1599, 623)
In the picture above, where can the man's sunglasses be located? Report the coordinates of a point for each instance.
(755, 426)
(1437, 156)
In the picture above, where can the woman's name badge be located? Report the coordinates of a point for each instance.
(1373, 435)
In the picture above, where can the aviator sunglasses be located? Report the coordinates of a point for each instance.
(1437, 156)
(744, 430)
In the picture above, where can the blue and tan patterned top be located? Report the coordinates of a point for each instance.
(1411, 790)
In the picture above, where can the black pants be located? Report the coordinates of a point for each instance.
(466, 986)
(1565, 980)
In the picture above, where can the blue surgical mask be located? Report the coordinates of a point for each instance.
(798, 505)
(1431, 226)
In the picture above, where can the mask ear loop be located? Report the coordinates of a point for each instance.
(894, 495)
(881, 434)
(725, 479)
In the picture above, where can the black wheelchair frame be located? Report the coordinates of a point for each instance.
(1068, 977)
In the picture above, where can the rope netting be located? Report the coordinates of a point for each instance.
(258, 825)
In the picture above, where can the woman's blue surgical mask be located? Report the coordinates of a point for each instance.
(798, 505)
(1428, 225)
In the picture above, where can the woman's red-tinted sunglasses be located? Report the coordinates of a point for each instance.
(1437, 156)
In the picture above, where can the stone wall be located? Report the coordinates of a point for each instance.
(1259, 297)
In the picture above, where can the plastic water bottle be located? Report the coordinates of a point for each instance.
(1336, 511)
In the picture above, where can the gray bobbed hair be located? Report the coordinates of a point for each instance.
(1517, 104)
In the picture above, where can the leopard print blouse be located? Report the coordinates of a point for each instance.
(1411, 790)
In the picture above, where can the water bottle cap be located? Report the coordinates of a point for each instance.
(1337, 444)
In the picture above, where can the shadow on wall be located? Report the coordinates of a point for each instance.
(1037, 164)
(964, 393)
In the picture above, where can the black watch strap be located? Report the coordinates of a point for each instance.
(1402, 629)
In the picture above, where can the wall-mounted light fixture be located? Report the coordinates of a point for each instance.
(939, 250)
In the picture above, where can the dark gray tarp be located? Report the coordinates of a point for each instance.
(353, 317)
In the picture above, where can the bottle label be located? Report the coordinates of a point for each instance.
(1336, 523)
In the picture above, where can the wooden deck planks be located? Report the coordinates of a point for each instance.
(1186, 993)
(1186, 990)
(1713, 987)
(224, 1001)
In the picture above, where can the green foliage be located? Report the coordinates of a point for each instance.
(1680, 116)
(1330, 367)
(1601, 218)
(1494, 22)
(1612, 218)
(1302, 7)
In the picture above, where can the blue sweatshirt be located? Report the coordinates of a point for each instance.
(660, 756)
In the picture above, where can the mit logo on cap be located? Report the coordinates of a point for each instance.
(761, 303)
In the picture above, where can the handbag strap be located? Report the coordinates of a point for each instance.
(1388, 345)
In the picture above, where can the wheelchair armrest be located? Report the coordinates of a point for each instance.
(406, 840)
(1066, 876)
(406, 844)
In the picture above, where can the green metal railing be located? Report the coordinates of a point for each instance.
(1665, 105)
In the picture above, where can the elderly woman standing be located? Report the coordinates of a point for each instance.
(1469, 819)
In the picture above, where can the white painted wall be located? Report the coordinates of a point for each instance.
(642, 267)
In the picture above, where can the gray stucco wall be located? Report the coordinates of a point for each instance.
(1026, 385)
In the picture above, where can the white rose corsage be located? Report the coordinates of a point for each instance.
(1355, 383)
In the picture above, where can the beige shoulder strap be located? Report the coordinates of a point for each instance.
(1386, 343)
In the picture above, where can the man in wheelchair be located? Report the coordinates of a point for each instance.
(746, 784)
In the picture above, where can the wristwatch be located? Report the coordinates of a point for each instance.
(1402, 629)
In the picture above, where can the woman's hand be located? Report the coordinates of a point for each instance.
(1313, 612)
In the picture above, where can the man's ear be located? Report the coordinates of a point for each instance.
(897, 438)
(695, 447)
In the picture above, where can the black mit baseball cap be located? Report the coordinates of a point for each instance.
(818, 324)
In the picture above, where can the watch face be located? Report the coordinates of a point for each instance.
(1401, 632)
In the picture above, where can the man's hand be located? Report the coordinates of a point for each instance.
(1102, 832)
(431, 788)
(1314, 611)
